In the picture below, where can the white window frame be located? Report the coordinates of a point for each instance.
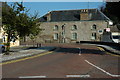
(93, 36)
(55, 36)
(94, 27)
(74, 27)
(56, 27)
(74, 36)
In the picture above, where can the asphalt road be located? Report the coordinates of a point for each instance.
(68, 61)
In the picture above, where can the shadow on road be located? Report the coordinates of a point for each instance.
(91, 51)
(68, 50)
(77, 51)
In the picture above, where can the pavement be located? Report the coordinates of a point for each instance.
(110, 49)
(24, 51)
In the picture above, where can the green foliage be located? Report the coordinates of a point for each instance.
(35, 30)
(112, 11)
(17, 22)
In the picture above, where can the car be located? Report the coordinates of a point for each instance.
(2, 48)
(116, 37)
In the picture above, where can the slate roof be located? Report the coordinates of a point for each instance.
(73, 15)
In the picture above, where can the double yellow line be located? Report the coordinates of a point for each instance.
(107, 52)
(18, 60)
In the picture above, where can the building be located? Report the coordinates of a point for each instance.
(3, 35)
(3, 39)
(69, 26)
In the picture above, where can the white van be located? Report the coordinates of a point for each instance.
(116, 37)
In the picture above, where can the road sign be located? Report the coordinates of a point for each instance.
(107, 29)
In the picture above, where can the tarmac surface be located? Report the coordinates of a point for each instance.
(67, 61)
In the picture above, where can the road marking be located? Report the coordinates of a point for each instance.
(107, 52)
(102, 70)
(18, 60)
(79, 51)
(113, 54)
(32, 77)
(80, 76)
(100, 48)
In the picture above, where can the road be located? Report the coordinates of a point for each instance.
(69, 60)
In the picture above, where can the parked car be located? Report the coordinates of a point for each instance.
(2, 48)
(116, 37)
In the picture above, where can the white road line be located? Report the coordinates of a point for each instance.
(79, 51)
(32, 77)
(80, 76)
(102, 70)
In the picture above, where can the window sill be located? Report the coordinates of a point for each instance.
(73, 39)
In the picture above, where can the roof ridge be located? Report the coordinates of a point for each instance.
(72, 10)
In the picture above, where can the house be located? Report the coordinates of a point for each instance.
(70, 26)
(3, 39)
(3, 34)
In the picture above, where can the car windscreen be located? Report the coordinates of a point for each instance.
(116, 37)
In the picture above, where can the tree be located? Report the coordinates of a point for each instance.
(112, 11)
(35, 30)
(17, 22)
(9, 21)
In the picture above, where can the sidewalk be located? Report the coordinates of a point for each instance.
(110, 49)
(107, 48)
(19, 52)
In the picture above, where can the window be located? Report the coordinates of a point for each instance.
(74, 36)
(62, 33)
(93, 36)
(63, 27)
(56, 27)
(94, 27)
(74, 27)
(100, 31)
(56, 36)
(116, 37)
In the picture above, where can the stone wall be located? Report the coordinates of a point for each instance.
(84, 30)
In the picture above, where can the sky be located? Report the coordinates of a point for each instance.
(55, 0)
(43, 7)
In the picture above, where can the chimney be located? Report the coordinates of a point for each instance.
(84, 14)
